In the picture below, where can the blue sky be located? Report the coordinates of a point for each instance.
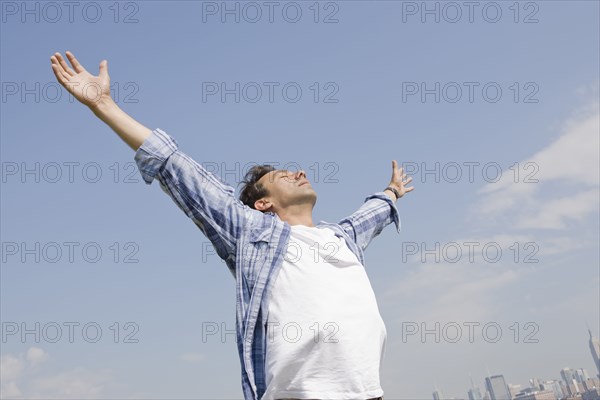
(364, 116)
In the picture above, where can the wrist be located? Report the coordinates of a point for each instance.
(103, 106)
(394, 191)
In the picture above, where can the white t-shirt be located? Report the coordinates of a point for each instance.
(325, 336)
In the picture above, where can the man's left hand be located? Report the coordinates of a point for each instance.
(399, 180)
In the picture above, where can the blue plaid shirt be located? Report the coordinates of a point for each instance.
(252, 243)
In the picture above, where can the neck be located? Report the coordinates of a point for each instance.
(297, 215)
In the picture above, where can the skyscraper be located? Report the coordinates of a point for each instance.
(555, 387)
(437, 395)
(581, 375)
(570, 378)
(568, 375)
(497, 387)
(595, 350)
(513, 390)
(474, 393)
(534, 383)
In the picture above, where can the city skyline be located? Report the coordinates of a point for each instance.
(579, 374)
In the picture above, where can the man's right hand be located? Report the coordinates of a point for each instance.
(88, 89)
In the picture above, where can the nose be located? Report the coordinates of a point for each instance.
(300, 174)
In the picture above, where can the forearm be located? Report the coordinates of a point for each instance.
(373, 215)
(132, 132)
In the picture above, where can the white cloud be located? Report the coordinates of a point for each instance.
(554, 214)
(21, 377)
(568, 174)
(11, 367)
(562, 244)
(14, 368)
(76, 383)
(35, 355)
(10, 389)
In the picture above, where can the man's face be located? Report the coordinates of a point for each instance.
(285, 188)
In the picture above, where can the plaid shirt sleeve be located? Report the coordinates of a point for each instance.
(368, 221)
(201, 195)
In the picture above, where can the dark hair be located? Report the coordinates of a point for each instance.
(252, 190)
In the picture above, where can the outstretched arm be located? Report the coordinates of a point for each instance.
(94, 92)
(208, 201)
(378, 210)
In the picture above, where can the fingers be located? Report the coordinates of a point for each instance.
(60, 74)
(403, 182)
(395, 166)
(397, 173)
(64, 65)
(78, 68)
(399, 177)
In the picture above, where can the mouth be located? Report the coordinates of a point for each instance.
(303, 183)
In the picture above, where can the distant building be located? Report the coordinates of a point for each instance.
(593, 394)
(537, 395)
(570, 378)
(496, 386)
(525, 392)
(573, 388)
(592, 383)
(581, 375)
(437, 395)
(595, 350)
(574, 397)
(513, 390)
(567, 390)
(555, 386)
(568, 375)
(475, 394)
(535, 383)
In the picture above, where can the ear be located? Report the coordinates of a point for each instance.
(262, 204)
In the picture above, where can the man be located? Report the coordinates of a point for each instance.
(289, 272)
